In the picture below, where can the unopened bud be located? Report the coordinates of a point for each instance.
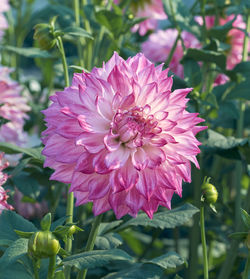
(209, 192)
(43, 244)
(43, 34)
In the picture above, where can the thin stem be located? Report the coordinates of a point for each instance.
(69, 214)
(203, 241)
(89, 52)
(203, 12)
(176, 24)
(247, 267)
(194, 237)
(91, 242)
(172, 50)
(64, 61)
(52, 267)
(35, 269)
(77, 21)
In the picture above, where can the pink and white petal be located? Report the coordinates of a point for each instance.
(117, 158)
(93, 142)
(85, 163)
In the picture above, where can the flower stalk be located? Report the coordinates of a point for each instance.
(203, 241)
(64, 61)
(247, 267)
(52, 267)
(91, 242)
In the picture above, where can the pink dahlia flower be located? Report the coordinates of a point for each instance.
(4, 7)
(127, 140)
(159, 44)
(3, 178)
(13, 108)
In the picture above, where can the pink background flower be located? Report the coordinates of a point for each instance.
(13, 108)
(3, 178)
(153, 11)
(4, 7)
(158, 46)
(121, 137)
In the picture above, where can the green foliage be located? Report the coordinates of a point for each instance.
(166, 219)
(10, 221)
(29, 52)
(96, 258)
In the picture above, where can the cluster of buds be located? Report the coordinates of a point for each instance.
(45, 243)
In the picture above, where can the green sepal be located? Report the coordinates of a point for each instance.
(23, 234)
(46, 222)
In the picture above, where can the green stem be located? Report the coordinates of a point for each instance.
(172, 50)
(203, 13)
(194, 236)
(64, 61)
(52, 267)
(91, 242)
(176, 24)
(247, 267)
(89, 52)
(203, 241)
(35, 269)
(69, 214)
(77, 21)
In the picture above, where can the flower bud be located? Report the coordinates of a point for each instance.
(43, 244)
(209, 192)
(43, 34)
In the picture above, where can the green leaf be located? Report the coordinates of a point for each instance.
(169, 260)
(9, 221)
(5, 242)
(17, 270)
(77, 31)
(30, 52)
(138, 271)
(240, 91)
(9, 148)
(192, 72)
(108, 241)
(27, 185)
(112, 21)
(207, 56)
(220, 32)
(106, 227)
(228, 147)
(246, 218)
(239, 235)
(167, 219)
(58, 222)
(78, 68)
(17, 249)
(96, 258)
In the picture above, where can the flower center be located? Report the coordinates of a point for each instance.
(135, 126)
